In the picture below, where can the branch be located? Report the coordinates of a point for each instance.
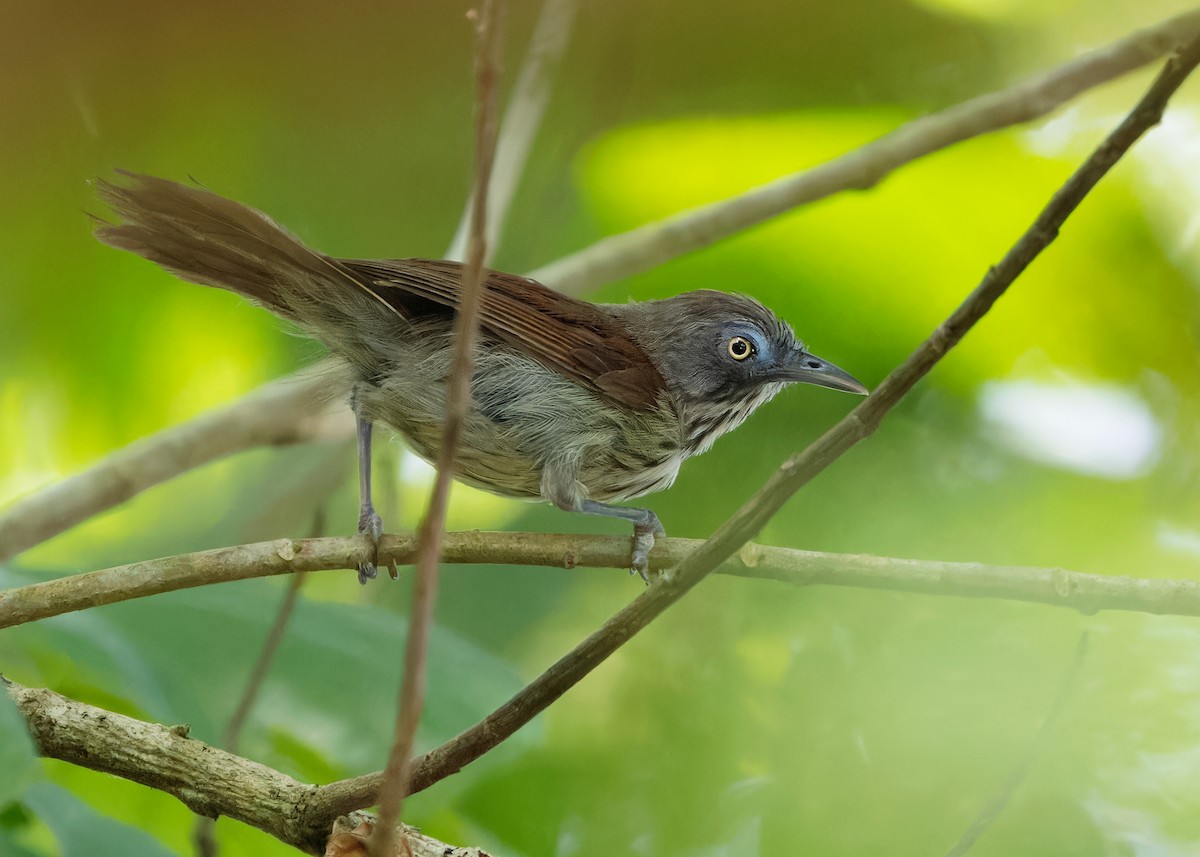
(458, 402)
(656, 243)
(521, 122)
(792, 475)
(209, 781)
(173, 451)
(1056, 587)
(290, 410)
(213, 782)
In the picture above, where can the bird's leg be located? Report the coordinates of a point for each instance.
(561, 486)
(369, 522)
(645, 527)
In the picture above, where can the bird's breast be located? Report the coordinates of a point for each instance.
(706, 421)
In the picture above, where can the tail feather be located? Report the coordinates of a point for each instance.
(207, 239)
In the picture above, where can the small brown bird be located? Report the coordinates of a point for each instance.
(576, 403)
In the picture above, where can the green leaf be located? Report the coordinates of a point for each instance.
(184, 657)
(83, 832)
(18, 757)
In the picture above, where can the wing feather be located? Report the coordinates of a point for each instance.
(571, 336)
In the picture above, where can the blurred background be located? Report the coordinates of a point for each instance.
(752, 718)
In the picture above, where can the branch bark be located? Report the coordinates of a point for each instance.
(209, 781)
(162, 456)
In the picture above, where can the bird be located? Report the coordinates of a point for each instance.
(580, 404)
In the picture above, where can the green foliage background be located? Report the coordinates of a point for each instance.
(752, 719)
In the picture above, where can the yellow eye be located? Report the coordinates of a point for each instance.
(740, 348)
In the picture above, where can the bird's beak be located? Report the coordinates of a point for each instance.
(805, 368)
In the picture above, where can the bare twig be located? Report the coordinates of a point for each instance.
(167, 454)
(983, 820)
(522, 119)
(458, 401)
(1057, 587)
(290, 410)
(655, 243)
(791, 476)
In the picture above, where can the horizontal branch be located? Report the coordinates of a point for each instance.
(208, 780)
(1058, 587)
(262, 417)
(213, 782)
(653, 244)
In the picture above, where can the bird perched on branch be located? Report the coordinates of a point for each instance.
(576, 403)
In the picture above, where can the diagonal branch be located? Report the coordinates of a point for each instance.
(656, 243)
(209, 781)
(791, 476)
(165, 455)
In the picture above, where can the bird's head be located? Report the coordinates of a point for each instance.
(721, 348)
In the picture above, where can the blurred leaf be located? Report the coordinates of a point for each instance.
(83, 832)
(9, 847)
(184, 657)
(18, 757)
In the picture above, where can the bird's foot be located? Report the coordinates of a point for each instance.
(643, 541)
(370, 524)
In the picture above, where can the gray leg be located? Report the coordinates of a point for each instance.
(645, 527)
(560, 485)
(369, 522)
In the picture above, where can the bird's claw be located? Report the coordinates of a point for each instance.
(370, 524)
(643, 542)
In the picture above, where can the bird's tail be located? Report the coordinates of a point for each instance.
(207, 239)
(210, 240)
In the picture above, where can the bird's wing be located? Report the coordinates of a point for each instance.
(570, 336)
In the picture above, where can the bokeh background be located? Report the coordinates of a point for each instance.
(752, 718)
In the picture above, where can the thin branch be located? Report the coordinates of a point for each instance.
(1056, 587)
(522, 119)
(458, 402)
(166, 454)
(206, 779)
(992, 809)
(792, 475)
(655, 243)
(290, 410)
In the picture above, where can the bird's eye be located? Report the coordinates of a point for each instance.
(740, 348)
